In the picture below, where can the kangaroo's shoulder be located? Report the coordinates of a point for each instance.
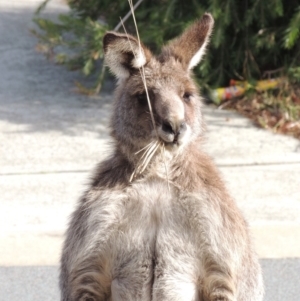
(112, 172)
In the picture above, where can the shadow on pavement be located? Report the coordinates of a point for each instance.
(37, 93)
(41, 282)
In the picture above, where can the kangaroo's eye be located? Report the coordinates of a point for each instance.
(142, 99)
(187, 96)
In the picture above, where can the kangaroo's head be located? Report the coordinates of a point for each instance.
(174, 97)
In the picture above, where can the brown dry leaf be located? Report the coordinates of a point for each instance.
(42, 48)
(291, 126)
(271, 112)
(255, 104)
(295, 99)
(83, 90)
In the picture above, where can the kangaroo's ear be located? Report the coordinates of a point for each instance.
(190, 46)
(124, 54)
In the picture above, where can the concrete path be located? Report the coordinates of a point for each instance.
(51, 139)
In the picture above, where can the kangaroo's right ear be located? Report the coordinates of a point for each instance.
(124, 54)
(190, 47)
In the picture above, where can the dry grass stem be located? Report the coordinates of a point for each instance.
(149, 156)
(167, 174)
(127, 15)
(151, 150)
(147, 146)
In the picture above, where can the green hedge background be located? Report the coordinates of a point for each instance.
(250, 38)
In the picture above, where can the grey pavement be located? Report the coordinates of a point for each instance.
(28, 283)
(51, 138)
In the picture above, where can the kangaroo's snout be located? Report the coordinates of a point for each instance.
(171, 121)
(171, 131)
(173, 127)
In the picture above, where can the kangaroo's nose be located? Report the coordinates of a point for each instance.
(182, 127)
(167, 127)
(174, 128)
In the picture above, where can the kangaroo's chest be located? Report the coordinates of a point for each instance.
(153, 207)
(154, 242)
(148, 208)
(155, 219)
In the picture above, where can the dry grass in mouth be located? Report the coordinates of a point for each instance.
(153, 146)
(145, 159)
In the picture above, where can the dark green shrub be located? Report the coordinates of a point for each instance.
(250, 36)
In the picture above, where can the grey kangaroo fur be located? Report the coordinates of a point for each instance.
(172, 232)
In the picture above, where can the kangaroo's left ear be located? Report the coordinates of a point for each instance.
(190, 47)
(124, 54)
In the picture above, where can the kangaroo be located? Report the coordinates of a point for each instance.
(157, 222)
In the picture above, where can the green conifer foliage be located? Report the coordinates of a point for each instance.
(250, 36)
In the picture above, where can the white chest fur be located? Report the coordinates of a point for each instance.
(149, 245)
